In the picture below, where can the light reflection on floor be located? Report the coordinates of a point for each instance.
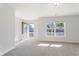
(49, 45)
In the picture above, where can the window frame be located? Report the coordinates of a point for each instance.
(54, 33)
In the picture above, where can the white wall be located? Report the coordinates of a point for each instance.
(7, 27)
(18, 30)
(72, 28)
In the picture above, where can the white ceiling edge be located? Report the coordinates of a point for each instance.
(37, 18)
(27, 18)
(35, 11)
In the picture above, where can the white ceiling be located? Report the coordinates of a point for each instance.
(35, 10)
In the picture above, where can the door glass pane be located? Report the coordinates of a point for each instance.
(31, 30)
(24, 27)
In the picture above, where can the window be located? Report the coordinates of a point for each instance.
(59, 29)
(50, 29)
(55, 29)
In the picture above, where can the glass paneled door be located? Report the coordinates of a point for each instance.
(24, 31)
(27, 31)
(31, 31)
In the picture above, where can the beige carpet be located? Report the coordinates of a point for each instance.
(28, 48)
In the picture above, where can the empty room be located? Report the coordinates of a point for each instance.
(39, 29)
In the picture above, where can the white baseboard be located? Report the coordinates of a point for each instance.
(2, 53)
(59, 41)
(7, 51)
(19, 42)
